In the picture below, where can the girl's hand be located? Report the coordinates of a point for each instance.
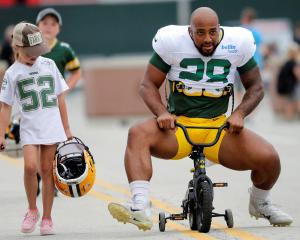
(69, 134)
(2, 144)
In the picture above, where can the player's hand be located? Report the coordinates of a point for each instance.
(236, 122)
(166, 121)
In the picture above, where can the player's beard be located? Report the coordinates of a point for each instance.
(204, 53)
(207, 54)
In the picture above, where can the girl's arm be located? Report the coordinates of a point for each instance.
(64, 114)
(5, 111)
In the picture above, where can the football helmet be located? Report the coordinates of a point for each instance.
(74, 169)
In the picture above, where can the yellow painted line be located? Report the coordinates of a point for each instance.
(12, 160)
(103, 197)
(243, 235)
(239, 233)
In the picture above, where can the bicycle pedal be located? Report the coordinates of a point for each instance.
(192, 170)
(223, 184)
(176, 217)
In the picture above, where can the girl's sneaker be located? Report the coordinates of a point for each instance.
(30, 220)
(46, 227)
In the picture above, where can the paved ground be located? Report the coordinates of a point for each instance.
(88, 218)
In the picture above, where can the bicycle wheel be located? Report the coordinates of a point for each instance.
(193, 216)
(162, 222)
(204, 210)
(229, 218)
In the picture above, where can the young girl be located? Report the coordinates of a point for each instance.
(38, 88)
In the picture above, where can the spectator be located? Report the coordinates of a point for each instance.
(297, 33)
(287, 84)
(6, 49)
(248, 15)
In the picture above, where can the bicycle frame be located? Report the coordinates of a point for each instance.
(197, 153)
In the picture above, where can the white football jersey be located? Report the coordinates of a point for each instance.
(175, 46)
(35, 89)
(198, 83)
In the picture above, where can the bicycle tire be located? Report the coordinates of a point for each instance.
(204, 210)
(193, 217)
(162, 222)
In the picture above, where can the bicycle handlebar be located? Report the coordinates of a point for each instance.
(184, 129)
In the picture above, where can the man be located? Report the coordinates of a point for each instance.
(199, 62)
(49, 21)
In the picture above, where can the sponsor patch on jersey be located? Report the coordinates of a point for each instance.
(230, 48)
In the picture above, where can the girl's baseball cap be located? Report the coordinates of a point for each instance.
(30, 39)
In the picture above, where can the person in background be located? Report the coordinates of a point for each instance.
(49, 21)
(297, 33)
(287, 84)
(6, 50)
(248, 16)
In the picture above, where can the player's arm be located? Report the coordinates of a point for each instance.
(5, 111)
(253, 84)
(149, 90)
(254, 91)
(64, 114)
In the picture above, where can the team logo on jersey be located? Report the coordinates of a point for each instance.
(231, 48)
(4, 84)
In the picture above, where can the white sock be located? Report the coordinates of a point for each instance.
(140, 194)
(260, 193)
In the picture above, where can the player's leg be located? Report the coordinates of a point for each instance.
(30, 153)
(248, 151)
(144, 139)
(47, 153)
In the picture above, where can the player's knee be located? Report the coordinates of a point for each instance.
(137, 132)
(272, 159)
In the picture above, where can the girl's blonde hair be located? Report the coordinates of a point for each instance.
(15, 51)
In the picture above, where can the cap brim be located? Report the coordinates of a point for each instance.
(37, 50)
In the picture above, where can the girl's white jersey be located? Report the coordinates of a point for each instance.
(175, 46)
(35, 89)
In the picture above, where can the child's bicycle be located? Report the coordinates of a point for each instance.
(198, 202)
